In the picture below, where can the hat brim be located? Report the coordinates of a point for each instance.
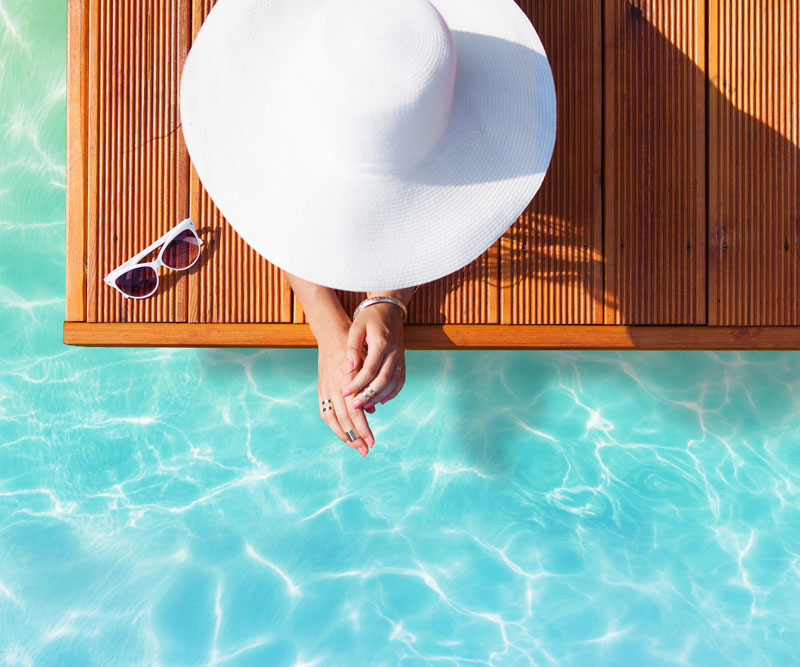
(349, 229)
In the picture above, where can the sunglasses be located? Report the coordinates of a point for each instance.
(181, 249)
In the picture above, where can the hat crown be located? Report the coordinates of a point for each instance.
(378, 79)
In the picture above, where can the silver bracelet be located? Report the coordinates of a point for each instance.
(380, 299)
(390, 299)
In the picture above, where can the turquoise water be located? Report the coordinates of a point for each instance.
(189, 507)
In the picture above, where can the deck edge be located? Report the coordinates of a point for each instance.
(77, 40)
(443, 336)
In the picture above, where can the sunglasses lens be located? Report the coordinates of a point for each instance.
(182, 251)
(140, 281)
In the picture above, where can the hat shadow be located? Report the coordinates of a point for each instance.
(557, 224)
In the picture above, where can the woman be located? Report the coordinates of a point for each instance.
(353, 386)
(363, 143)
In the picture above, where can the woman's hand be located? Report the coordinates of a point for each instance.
(332, 345)
(380, 326)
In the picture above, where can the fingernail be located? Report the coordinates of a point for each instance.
(363, 450)
(384, 401)
(367, 405)
(347, 393)
(350, 365)
(369, 441)
(356, 403)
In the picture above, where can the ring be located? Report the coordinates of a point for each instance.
(352, 436)
(397, 368)
(328, 405)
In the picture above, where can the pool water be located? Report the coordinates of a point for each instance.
(189, 507)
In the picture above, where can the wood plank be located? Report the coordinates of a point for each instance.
(445, 337)
(552, 258)
(77, 110)
(754, 175)
(137, 175)
(96, 70)
(654, 162)
(179, 200)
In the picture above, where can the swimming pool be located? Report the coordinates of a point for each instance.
(188, 506)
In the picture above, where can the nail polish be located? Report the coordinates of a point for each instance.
(346, 393)
(356, 403)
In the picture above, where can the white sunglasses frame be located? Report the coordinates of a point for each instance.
(134, 262)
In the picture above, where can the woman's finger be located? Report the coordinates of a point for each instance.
(361, 426)
(328, 414)
(355, 345)
(353, 419)
(401, 380)
(370, 368)
(383, 383)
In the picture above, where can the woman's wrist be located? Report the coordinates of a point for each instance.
(397, 301)
(388, 304)
(403, 294)
(328, 324)
(321, 306)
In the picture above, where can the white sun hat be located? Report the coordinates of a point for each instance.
(369, 145)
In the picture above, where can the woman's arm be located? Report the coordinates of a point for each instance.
(330, 324)
(323, 308)
(321, 305)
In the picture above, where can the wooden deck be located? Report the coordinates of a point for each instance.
(670, 217)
